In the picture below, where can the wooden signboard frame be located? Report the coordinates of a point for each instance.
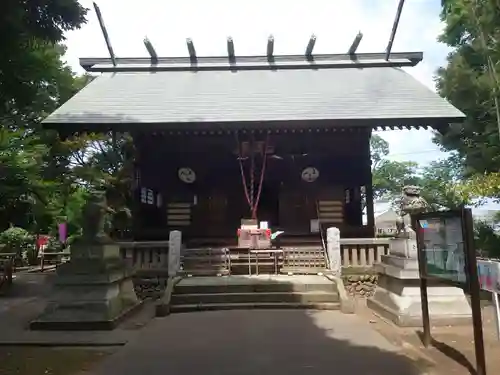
(469, 281)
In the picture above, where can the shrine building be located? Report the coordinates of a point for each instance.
(281, 139)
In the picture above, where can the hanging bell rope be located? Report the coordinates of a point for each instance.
(262, 173)
(242, 172)
(252, 200)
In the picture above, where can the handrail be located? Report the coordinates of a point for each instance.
(327, 259)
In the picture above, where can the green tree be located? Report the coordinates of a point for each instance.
(440, 180)
(29, 55)
(389, 177)
(470, 81)
(33, 82)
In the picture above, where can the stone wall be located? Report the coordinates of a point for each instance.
(360, 285)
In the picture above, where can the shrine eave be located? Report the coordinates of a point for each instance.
(273, 127)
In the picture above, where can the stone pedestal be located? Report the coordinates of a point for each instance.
(92, 291)
(397, 296)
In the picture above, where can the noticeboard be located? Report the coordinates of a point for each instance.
(446, 253)
(442, 245)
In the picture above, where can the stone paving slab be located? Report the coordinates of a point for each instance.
(290, 342)
(252, 280)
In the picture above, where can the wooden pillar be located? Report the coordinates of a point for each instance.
(136, 190)
(370, 213)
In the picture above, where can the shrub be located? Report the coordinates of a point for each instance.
(16, 240)
(487, 240)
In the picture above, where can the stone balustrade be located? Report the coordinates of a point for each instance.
(149, 262)
(145, 255)
(151, 256)
(362, 252)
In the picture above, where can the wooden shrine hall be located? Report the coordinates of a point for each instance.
(281, 139)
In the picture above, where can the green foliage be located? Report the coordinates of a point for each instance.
(437, 180)
(478, 186)
(470, 81)
(389, 177)
(43, 179)
(487, 241)
(30, 69)
(16, 240)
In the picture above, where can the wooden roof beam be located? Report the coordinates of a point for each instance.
(310, 46)
(394, 29)
(105, 33)
(191, 49)
(270, 46)
(355, 43)
(151, 50)
(230, 49)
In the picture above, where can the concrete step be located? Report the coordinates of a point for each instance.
(307, 297)
(268, 287)
(253, 305)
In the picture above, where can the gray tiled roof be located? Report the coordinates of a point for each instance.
(369, 93)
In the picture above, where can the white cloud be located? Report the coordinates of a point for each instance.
(208, 23)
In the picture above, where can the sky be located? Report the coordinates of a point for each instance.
(334, 22)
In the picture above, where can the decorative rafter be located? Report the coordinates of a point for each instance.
(151, 50)
(105, 33)
(191, 49)
(270, 47)
(230, 49)
(355, 43)
(270, 43)
(394, 30)
(310, 46)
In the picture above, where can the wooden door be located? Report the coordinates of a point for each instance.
(295, 210)
(216, 218)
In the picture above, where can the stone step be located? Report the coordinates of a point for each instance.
(253, 305)
(307, 297)
(204, 272)
(196, 266)
(268, 287)
(300, 270)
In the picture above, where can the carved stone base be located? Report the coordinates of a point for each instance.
(91, 292)
(397, 296)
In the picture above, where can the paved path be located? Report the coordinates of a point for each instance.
(288, 342)
(28, 298)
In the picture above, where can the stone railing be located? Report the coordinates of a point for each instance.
(149, 262)
(145, 255)
(152, 256)
(362, 252)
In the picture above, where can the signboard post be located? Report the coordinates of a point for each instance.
(497, 313)
(446, 254)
